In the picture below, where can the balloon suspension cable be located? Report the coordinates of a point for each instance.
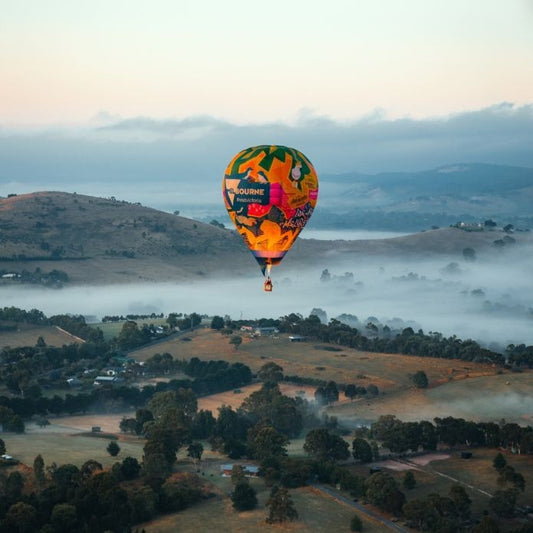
(267, 286)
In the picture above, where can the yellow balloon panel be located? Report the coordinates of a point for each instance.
(270, 193)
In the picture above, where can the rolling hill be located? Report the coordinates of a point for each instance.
(98, 240)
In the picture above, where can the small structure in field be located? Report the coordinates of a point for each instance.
(249, 470)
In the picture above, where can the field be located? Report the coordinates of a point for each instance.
(27, 336)
(390, 372)
(316, 511)
(65, 441)
(456, 388)
(112, 329)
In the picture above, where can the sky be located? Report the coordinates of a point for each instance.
(64, 61)
(98, 95)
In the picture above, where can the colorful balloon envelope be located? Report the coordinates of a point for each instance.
(270, 193)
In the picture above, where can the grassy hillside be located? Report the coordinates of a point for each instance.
(101, 240)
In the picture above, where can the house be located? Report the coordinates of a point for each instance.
(106, 380)
(265, 331)
(249, 470)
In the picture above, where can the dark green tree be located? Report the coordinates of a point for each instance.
(461, 501)
(21, 518)
(409, 481)
(270, 372)
(356, 524)
(499, 462)
(326, 446)
(130, 468)
(113, 448)
(195, 451)
(420, 380)
(217, 323)
(503, 503)
(350, 391)
(265, 442)
(487, 525)
(382, 490)
(361, 450)
(243, 497)
(38, 470)
(235, 340)
(280, 506)
(64, 518)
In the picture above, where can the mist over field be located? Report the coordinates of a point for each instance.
(489, 300)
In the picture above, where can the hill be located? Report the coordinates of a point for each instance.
(440, 196)
(97, 240)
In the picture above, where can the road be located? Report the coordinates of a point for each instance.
(335, 494)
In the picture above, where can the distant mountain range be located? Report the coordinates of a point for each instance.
(103, 240)
(412, 201)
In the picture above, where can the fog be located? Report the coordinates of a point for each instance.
(489, 300)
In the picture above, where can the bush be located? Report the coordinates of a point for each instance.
(356, 523)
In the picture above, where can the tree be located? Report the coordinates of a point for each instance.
(130, 468)
(326, 446)
(113, 448)
(420, 380)
(280, 506)
(508, 476)
(461, 501)
(195, 451)
(217, 323)
(22, 518)
(64, 518)
(409, 480)
(487, 525)
(469, 254)
(350, 391)
(332, 392)
(499, 462)
(90, 467)
(38, 469)
(236, 341)
(356, 524)
(382, 490)
(503, 503)
(270, 372)
(265, 442)
(361, 450)
(244, 497)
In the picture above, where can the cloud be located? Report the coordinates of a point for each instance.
(194, 151)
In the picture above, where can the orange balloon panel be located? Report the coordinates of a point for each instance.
(270, 193)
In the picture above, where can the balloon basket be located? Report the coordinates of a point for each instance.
(267, 287)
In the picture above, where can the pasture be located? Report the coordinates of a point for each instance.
(487, 398)
(65, 440)
(27, 335)
(112, 329)
(317, 512)
(390, 372)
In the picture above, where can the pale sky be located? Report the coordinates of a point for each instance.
(64, 61)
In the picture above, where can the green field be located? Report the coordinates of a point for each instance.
(112, 329)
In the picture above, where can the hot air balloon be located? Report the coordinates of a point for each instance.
(270, 193)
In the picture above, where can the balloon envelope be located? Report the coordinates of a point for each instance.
(270, 193)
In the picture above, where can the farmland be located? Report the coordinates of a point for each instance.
(27, 335)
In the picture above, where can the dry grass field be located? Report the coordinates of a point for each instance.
(317, 512)
(390, 372)
(27, 335)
